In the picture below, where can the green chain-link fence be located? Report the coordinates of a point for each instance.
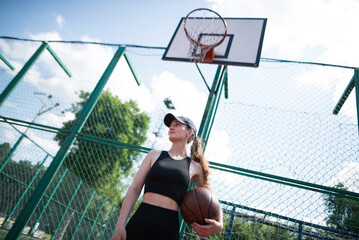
(77, 118)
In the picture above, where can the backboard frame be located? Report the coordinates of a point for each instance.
(178, 47)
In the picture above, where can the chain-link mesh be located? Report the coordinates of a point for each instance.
(282, 164)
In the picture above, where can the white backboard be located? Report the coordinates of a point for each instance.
(242, 45)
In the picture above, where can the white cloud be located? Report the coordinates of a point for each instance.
(46, 36)
(8, 133)
(218, 150)
(123, 85)
(86, 38)
(218, 147)
(305, 30)
(327, 79)
(55, 118)
(348, 175)
(182, 93)
(60, 20)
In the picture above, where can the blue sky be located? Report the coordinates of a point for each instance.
(308, 30)
(111, 21)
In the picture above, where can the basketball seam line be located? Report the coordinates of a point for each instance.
(209, 208)
(199, 205)
(190, 211)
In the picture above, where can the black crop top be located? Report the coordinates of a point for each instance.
(169, 177)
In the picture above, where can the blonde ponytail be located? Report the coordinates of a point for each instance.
(197, 156)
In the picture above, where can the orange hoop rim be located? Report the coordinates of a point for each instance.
(201, 45)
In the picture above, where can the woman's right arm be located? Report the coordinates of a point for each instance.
(132, 195)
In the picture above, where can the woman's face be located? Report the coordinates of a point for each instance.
(178, 131)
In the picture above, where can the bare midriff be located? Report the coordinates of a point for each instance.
(160, 201)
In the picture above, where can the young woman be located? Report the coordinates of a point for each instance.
(166, 176)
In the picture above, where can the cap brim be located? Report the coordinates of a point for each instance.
(169, 118)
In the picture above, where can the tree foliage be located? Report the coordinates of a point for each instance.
(95, 170)
(97, 160)
(343, 213)
(14, 179)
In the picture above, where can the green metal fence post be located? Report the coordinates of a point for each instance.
(300, 231)
(108, 220)
(226, 83)
(345, 95)
(25, 191)
(208, 117)
(16, 80)
(54, 190)
(129, 63)
(49, 199)
(45, 181)
(215, 106)
(83, 214)
(6, 62)
(212, 104)
(356, 83)
(12, 150)
(229, 232)
(66, 209)
(58, 61)
(95, 220)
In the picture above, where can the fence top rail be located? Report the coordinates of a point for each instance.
(163, 48)
(83, 42)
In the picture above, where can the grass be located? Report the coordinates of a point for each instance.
(3, 233)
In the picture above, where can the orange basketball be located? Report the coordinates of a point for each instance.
(199, 203)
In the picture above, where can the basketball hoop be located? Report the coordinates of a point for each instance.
(205, 30)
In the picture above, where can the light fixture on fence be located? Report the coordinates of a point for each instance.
(169, 104)
(46, 107)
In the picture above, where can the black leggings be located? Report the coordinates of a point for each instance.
(153, 222)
